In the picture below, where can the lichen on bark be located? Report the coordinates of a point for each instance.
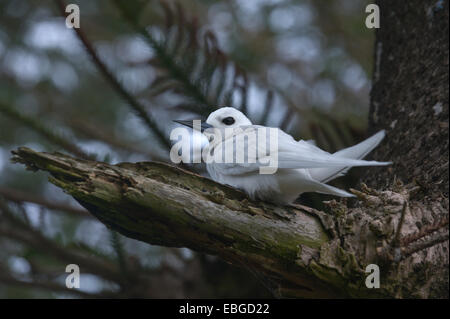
(302, 252)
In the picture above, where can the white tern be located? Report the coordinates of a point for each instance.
(301, 167)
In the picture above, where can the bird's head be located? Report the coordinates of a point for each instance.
(227, 117)
(218, 121)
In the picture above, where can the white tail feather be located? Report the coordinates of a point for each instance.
(357, 151)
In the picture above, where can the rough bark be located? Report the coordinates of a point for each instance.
(410, 99)
(410, 94)
(296, 250)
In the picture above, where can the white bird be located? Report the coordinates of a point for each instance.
(302, 166)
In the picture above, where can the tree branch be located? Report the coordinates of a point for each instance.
(17, 196)
(300, 251)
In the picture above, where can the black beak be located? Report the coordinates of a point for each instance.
(203, 125)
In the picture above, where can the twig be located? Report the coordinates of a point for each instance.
(267, 107)
(168, 61)
(396, 240)
(34, 238)
(424, 231)
(116, 243)
(100, 133)
(20, 197)
(134, 104)
(51, 286)
(286, 119)
(414, 247)
(44, 131)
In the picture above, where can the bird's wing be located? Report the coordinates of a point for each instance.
(288, 154)
(301, 154)
(251, 162)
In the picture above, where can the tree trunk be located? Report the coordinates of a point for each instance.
(299, 251)
(410, 91)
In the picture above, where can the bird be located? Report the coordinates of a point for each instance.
(301, 165)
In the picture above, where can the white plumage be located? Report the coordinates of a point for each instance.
(302, 166)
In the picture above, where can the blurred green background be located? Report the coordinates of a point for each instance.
(304, 66)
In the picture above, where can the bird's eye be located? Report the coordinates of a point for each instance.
(228, 120)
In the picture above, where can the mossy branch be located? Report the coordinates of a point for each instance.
(300, 251)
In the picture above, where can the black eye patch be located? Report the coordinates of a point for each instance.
(228, 120)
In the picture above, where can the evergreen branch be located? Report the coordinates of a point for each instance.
(200, 70)
(286, 119)
(132, 102)
(100, 133)
(267, 108)
(45, 131)
(165, 58)
(52, 287)
(17, 196)
(31, 237)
